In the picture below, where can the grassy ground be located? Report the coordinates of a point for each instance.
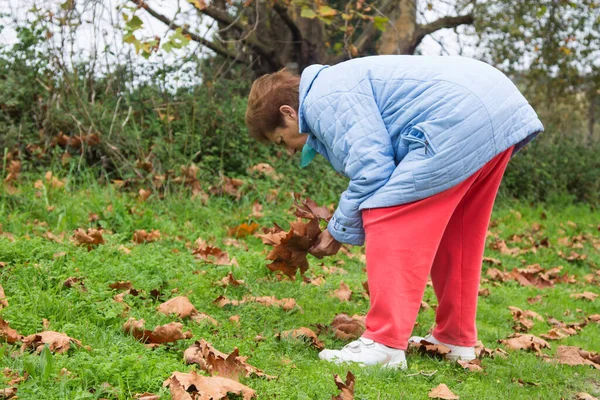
(33, 281)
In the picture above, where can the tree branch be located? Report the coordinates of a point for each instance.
(441, 23)
(294, 30)
(196, 38)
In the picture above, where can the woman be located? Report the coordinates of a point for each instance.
(425, 142)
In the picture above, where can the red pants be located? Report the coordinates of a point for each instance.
(443, 235)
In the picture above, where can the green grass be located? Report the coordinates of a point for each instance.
(33, 282)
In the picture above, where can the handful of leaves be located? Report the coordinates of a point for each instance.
(291, 247)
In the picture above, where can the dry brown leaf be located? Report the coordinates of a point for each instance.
(146, 396)
(585, 396)
(442, 392)
(14, 378)
(484, 292)
(594, 318)
(197, 387)
(493, 261)
(141, 236)
(7, 333)
(91, 238)
(533, 300)
(14, 170)
(56, 341)
(170, 332)
(559, 333)
(317, 281)
(286, 303)
(346, 388)
(500, 245)
(121, 285)
(72, 281)
(585, 295)
(211, 254)
(230, 280)
(242, 230)
(257, 210)
(3, 301)
(343, 293)
(179, 305)
(228, 186)
(426, 347)
(497, 275)
(143, 194)
(348, 328)
(518, 341)
(8, 393)
(264, 169)
(572, 355)
(471, 365)
(302, 334)
(211, 360)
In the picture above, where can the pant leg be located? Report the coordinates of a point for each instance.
(401, 243)
(456, 268)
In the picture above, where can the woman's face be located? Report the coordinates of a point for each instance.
(288, 135)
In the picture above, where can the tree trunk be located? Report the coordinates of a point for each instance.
(400, 37)
(592, 115)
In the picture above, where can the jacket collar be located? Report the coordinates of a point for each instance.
(306, 79)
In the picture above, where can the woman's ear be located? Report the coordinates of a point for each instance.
(288, 112)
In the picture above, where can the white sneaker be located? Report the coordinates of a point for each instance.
(456, 352)
(366, 352)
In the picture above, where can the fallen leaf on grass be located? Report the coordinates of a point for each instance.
(346, 388)
(170, 332)
(211, 254)
(471, 365)
(436, 350)
(348, 328)
(317, 281)
(500, 245)
(343, 293)
(523, 319)
(594, 318)
(518, 341)
(14, 170)
(183, 308)
(72, 281)
(533, 300)
(8, 393)
(559, 333)
(242, 230)
(442, 392)
(585, 295)
(146, 396)
(302, 334)
(484, 292)
(230, 280)
(493, 261)
(121, 285)
(143, 195)
(193, 386)
(572, 355)
(56, 341)
(91, 238)
(496, 275)
(286, 303)
(3, 301)
(214, 362)
(585, 396)
(228, 186)
(7, 333)
(482, 351)
(141, 236)
(265, 169)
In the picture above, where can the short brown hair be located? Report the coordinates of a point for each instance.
(267, 95)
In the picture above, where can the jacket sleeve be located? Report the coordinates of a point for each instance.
(350, 122)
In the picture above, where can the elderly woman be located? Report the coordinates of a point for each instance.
(425, 142)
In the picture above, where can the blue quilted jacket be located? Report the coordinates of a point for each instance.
(403, 128)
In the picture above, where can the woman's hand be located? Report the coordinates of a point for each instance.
(326, 245)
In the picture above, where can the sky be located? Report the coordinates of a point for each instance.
(97, 33)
